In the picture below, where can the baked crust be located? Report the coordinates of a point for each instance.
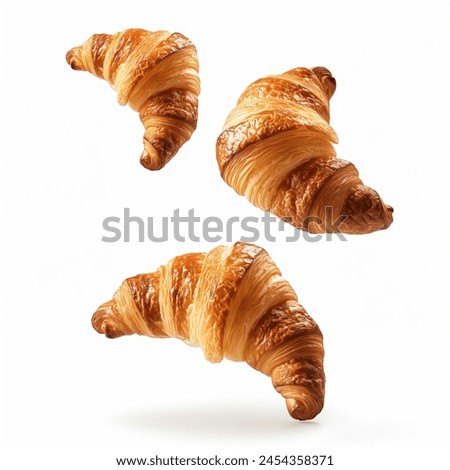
(276, 149)
(233, 303)
(156, 73)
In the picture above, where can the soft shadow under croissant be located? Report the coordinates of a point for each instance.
(276, 149)
(233, 303)
(156, 73)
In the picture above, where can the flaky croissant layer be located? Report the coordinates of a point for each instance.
(156, 73)
(233, 303)
(276, 149)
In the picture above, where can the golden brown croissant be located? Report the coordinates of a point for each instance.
(276, 149)
(156, 73)
(231, 302)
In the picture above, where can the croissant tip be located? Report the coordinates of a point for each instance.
(327, 79)
(150, 160)
(303, 410)
(97, 320)
(388, 217)
(365, 212)
(72, 59)
(101, 320)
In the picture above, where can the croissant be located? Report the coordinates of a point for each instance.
(156, 73)
(276, 150)
(231, 302)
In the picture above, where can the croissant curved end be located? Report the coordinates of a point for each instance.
(73, 59)
(150, 158)
(365, 212)
(326, 79)
(306, 408)
(103, 320)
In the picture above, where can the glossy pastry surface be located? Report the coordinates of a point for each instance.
(276, 149)
(156, 73)
(233, 303)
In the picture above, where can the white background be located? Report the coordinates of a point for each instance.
(73, 399)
